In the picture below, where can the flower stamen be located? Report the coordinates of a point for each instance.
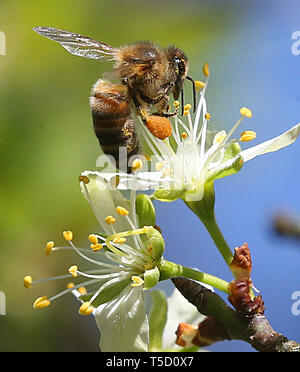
(136, 165)
(136, 281)
(122, 211)
(82, 290)
(93, 239)
(68, 235)
(110, 220)
(199, 85)
(48, 249)
(86, 309)
(205, 70)
(244, 111)
(28, 281)
(84, 179)
(73, 271)
(248, 135)
(119, 240)
(96, 247)
(41, 303)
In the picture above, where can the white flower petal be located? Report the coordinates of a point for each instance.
(123, 322)
(141, 181)
(104, 201)
(179, 311)
(274, 144)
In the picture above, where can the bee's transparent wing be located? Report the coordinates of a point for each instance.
(77, 44)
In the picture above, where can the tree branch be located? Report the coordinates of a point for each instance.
(246, 323)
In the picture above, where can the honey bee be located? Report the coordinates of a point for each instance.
(148, 75)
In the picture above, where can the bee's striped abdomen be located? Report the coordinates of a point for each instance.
(113, 124)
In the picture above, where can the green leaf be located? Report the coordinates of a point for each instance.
(145, 210)
(157, 320)
(151, 278)
(107, 294)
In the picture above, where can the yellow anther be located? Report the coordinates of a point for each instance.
(82, 290)
(68, 235)
(207, 116)
(110, 220)
(136, 165)
(41, 303)
(244, 111)
(119, 240)
(84, 179)
(96, 247)
(166, 173)
(86, 309)
(93, 239)
(186, 112)
(219, 137)
(48, 248)
(73, 271)
(199, 85)
(114, 181)
(147, 157)
(184, 135)
(187, 107)
(70, 285)
(206, 70)
(248, 135)
(27, 281)
(122, 211)
(176, 104)
(136, 281)
(158, 166)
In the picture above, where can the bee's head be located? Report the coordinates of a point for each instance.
(179, 64)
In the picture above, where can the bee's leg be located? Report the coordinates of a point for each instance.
(140, 110)
(166, 114)
(163, 107)
(151, 101)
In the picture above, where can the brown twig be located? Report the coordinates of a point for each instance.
(247, 322)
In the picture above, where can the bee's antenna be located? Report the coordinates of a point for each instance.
(194, 92)
(182, 102)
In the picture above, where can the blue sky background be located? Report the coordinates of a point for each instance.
(259, 71)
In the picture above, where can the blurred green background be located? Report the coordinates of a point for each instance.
(47, 139)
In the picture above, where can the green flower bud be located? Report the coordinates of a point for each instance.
(145, 210)
(156, 243)
(151, 278)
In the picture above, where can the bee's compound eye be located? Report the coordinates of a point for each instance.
(159, 126)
